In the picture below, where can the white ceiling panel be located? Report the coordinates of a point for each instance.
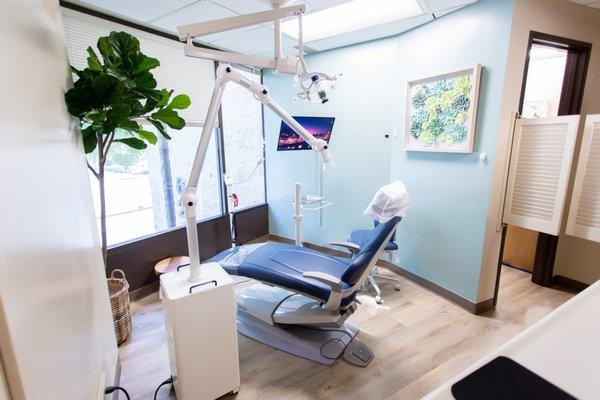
(441, 13)
(136, 10)
(376, 32)
(252, 42)
(198, 12)
(244, 6)
(321, 4)
(437, 5)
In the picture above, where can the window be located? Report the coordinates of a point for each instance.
(244, 143)
(143, 188)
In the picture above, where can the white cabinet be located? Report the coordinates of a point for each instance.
(200, 318)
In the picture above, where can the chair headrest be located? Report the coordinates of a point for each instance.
(375, 241)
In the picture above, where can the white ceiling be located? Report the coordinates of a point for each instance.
(589, 3)
(258, 40)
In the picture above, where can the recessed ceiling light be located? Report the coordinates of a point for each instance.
(351, 16)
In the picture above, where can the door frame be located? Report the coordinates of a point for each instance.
(570, 103)
(571, 99)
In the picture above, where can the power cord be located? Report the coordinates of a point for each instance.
(166, 382)
(111, 389)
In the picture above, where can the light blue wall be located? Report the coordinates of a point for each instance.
(441, 239)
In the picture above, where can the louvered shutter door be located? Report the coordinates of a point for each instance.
(584, 215)
(539, 171)
(192, 76)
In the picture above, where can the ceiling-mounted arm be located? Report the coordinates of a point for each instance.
(240, 21)
(225, 74)
(285, 65)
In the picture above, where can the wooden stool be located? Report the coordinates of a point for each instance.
(170, 264)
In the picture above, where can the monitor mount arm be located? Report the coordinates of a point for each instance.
(226, 74)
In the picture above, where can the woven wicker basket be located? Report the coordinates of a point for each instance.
(118, 289)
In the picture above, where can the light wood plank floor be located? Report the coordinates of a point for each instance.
(419, 339)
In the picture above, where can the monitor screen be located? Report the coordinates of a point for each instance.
(319, 127)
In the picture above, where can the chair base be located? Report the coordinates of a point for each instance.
(298, 325)
(376, 275)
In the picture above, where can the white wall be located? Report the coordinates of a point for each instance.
(56, 333)
(561, 18)
(441, 238)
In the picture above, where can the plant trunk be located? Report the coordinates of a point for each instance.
(101, 162)
(102, 212)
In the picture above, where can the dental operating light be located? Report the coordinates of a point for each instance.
(313, 85)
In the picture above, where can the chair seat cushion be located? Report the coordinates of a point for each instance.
(360, 237)
(283, 264)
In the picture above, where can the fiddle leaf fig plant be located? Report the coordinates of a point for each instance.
(113, 97)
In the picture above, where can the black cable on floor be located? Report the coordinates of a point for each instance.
(166, 382)
(111, 389)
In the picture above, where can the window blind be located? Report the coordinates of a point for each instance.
(191, 76)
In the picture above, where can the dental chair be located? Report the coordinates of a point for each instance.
(355, 242)
(390, 200)
(302, 297)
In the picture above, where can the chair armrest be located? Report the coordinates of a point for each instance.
(335, 298)
(351, 247)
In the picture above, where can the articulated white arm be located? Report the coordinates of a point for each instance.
(225, 74)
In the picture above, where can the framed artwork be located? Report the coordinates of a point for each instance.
(441, 111)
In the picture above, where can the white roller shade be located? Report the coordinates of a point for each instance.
(584, 215)
(192, 76)
(539, 170)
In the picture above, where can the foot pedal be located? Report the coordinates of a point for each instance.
(358, 354)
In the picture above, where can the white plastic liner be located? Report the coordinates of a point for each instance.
(238, 256)
(390, 200)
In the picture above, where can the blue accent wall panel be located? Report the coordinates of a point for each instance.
(441, 239)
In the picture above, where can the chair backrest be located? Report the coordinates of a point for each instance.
(377, 223)
(370, 251)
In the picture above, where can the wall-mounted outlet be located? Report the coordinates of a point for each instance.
(101, 386)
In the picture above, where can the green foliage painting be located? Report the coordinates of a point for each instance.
(440, 113)
(118, 103)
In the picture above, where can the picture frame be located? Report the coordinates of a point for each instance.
(441, 111)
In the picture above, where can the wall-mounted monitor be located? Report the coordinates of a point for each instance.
(319, 127)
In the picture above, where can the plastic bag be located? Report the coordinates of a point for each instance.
(390, 200)
(234, 258)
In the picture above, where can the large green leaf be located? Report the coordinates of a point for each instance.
(145, 64)
(106, 90)
(147, 136)
(153, 94)
(105, 49)
(165, 96)
(90, 139)
(135, 143)
(96, 116)
(130, 125)
(93, 60)
(159, 126)
(180, 102)
(79, 101)
(145, 80)
(124, 44)
(115, 117)
(169, 117)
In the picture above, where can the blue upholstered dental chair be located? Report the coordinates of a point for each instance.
(303, 297)
(356, 241)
